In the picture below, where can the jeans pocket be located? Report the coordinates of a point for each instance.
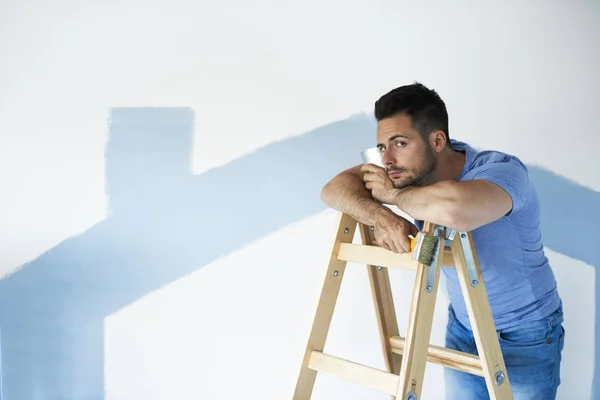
(561, 339)
(531, 356)
(529, 334)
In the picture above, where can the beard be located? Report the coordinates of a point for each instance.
(417, 176)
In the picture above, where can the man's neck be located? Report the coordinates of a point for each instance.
(450, 164)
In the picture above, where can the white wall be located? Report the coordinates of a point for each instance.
(518, 78)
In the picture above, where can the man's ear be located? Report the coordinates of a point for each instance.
(437, 140)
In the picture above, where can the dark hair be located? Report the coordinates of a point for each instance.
(423, 105)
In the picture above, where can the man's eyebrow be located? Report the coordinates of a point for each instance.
(393, 138)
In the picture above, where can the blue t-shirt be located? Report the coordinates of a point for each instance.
(518, 278)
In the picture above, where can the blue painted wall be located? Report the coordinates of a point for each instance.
(166, 223)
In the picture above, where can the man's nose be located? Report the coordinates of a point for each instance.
(387, 158)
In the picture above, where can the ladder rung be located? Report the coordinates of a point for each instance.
(376, 255)
(363, 375)
(444, 356)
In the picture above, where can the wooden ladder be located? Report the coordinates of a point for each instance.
(405, 358)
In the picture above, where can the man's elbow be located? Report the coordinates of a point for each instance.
(327, 193)
(455, 217)
(449, 208)
(460, 222)
(331, 191)
(463, 217)
(462, 209)
(339, 185)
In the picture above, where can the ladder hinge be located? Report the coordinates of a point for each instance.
(469, 258)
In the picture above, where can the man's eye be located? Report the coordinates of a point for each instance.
(399, 144)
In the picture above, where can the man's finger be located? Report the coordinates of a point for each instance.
(368, 176)
(384, 244)
(404, 243)
(393, 246)
(387, 244)
(370, 168)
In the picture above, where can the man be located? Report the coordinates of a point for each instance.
(434, 178)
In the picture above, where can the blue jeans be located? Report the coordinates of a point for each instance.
(532, 354)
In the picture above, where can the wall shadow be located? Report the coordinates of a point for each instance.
(166, 223)
(569, 214)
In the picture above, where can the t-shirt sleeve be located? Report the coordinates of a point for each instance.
(511, 175)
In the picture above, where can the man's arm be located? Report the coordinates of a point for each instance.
(347, 193)
(463, 206)
(494, 190)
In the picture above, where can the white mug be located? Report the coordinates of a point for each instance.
(372, 156)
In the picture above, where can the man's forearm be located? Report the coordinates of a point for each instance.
(462, 206)
(347, 193)
(433, 203)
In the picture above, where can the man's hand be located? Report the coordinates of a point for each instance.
(391, 232)
(379, 183)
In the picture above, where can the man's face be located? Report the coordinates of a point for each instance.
(408, 159)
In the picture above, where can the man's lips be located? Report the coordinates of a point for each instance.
(394, 174)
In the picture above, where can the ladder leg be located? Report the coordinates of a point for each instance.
(480, 317)
(383, 300)
(325, 308)
(418, 334)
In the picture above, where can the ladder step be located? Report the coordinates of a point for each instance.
(443, 356)
(359, 374)
(376, 255)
